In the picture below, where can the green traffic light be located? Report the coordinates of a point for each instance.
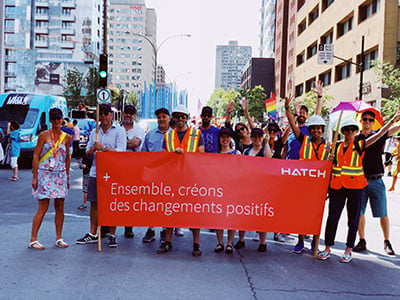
(103, 74)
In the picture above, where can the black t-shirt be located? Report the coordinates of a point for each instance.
(276, 148)
(372, 161)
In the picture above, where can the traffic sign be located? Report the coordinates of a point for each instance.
(103, 96)
(325, 54)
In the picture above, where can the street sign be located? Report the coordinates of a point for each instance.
(325, 54)
(103, 96)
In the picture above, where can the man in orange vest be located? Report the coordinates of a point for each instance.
(180, 140)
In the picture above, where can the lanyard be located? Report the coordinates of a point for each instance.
(55, 144)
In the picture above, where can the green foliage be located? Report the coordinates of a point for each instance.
(220, 99)
(72, 87)
(310, 100)
(115, 94)
(389, 75)
(92, 84)
(132, 99)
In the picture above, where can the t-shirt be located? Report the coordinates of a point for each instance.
(276, 148)
(210, 137)
(372, 161)
(294, 145)
(181, 135)
(15, 143)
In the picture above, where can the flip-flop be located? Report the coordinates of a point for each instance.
(35, 245)
(61, 244)
(13, 178)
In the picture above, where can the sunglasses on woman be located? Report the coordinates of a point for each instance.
(53, 118)
(241, 129)
(272, 130)
(350, 129)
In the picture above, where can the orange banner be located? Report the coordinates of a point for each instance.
(200, 190)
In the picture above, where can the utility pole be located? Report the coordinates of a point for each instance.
(361, 66)
(104, 26)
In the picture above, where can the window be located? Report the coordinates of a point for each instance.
(326, 78)
(310, 84)
(369, 57)
(299, 90)
(326, 4)
(327, 38)
(302, 26)
(313, 15)
(343, 71)
(311, 50)
(368, 9)
(345, 26)
(300, 58)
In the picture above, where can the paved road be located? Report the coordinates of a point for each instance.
(135, 271)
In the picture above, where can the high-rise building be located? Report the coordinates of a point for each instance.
(2, 6)
(50, 38)
(259, 71)
(267, 28)
(132, 29)
(230, 60)
(343, 23)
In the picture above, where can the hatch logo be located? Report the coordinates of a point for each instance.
(303, 172)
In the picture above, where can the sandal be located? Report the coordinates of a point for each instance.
(219, 248)
(229, 249)
(324, 255)
(61, 244)
(82, 207)
(346, 258)
(35, 245)
(13, 178)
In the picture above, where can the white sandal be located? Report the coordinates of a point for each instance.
(35, 245)
(61, 244)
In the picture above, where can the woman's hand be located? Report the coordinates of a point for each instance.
(34, 183)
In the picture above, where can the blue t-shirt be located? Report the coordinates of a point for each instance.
(15, 143)
(294, 145)
(210, 137)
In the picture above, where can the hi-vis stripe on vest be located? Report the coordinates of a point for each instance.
(307, 151)
(189, 143)
(348, 171)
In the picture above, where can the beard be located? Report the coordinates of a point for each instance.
(205, 123)
(301, 119)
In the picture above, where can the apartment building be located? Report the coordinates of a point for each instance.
(259, 71)
(342, 23)
(267, 28)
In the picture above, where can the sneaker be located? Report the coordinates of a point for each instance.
(262, 248)
(179, 232)
(256, 237)
(324, 255)
(346, 258)
(388, 248)
(87, 239)
(112, 241)
(240, 244)
(149, 236)
(278, 238)
(196, 250)
(298, 248)
(361, 246)
(129, 233)
(163, 234)
(164, 247)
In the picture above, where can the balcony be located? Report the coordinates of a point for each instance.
(10, 73)
(41, 43)
(42, 16)
(67, 45)
(67, 31)
(10, 58)
(68, 18)
(68, 4)
(42, 3)
(42, 30)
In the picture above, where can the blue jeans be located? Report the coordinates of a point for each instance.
(337, 200)
(375, 191)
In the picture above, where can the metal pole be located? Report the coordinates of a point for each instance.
(361, 66)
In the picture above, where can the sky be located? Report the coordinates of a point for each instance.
(190, 61)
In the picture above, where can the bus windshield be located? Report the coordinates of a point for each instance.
(20, 113)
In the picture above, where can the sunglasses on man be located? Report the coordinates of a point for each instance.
(103, 113)
(179, 116)
(350, 128)
(368, 120)
(206, 115)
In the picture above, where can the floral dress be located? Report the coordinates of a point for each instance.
(52, 183)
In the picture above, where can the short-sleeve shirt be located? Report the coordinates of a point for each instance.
(294, 145)
(153, 141)
(134, 132)
(372, 161)
(15, 143)
(210, 137)
(114, 137)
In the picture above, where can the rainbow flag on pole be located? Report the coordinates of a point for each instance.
(270, 107)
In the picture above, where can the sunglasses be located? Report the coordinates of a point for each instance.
(176, 116)
(272, 130)
(129, 112)
(368, 119)
(351, 128)
(241, 129)
(53, 118)
(206, 115)
(103, 113)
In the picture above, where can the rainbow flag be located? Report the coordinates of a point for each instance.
(270, 107)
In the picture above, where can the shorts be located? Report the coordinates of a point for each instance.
(85, 183)
(92, 190)
(375, 191)
(14, 162)
(388, 159)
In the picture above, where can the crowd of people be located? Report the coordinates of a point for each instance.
(357, 167)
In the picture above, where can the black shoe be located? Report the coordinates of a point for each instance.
(129, 233)
(361, 246)
(196, 250)
(262, 248)
(219, 248)
(163, 234)
(388, 247)
(164, 247)
(240, 244)
(149, 236)
(229, 249)
(112, 241)
(87, 239)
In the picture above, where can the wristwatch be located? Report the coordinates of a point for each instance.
(104, 149)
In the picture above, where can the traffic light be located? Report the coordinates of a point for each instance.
(103, 70)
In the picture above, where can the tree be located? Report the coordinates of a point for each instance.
(132, 99)
(92, 84)
(73, 87)
(220, 99)
(255, 98)
(115, 94)
(310, 100)
(389, 75)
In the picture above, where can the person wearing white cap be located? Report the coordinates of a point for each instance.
(347, 183)
(180, 140)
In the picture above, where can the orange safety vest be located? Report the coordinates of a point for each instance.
(348, 171)
(189, 143)
(307, 151)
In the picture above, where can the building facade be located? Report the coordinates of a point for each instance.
(259, 71)
(281, 40)
(342, 24)
(132, 29)
(267, 28)
(230, 60)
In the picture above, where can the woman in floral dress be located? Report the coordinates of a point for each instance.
(50, 169)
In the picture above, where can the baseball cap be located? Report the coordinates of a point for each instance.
(55, 113)
(105, 107)
(257, 132)
(225, 130)
(130, 109)
(161, 110)
(206, 110)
